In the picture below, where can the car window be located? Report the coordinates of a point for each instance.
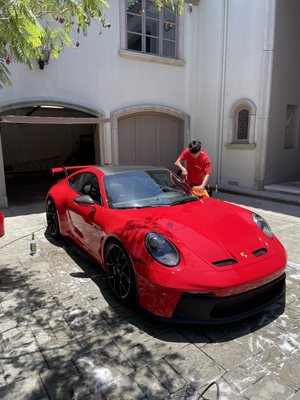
(86, 183)
(153, 188)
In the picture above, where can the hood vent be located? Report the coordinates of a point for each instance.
(223, 263)
(260, 252)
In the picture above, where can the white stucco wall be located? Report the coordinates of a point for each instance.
(206, 77)
(244, 66)
(284, 164)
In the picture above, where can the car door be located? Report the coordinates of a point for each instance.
(82, 217)
(93, 221)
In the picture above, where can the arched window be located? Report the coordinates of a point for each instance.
(241, 123)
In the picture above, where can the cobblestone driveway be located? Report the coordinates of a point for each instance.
(63, 335)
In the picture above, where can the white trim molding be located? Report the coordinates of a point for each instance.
(133, 55)
(44, 101)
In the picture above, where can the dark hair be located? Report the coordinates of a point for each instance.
(194, 146)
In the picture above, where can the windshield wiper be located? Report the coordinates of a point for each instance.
(186, 200)
(128, 207)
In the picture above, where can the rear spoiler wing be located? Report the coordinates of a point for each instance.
(67, 170)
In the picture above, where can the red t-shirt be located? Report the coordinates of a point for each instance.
(197, 168)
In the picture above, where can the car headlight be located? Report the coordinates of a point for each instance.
(161, 249)
(262, 224)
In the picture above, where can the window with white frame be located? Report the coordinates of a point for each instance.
(150, 30)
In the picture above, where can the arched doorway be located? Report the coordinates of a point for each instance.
(41, 136)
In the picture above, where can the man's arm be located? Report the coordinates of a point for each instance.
(178, 164)
(204, 182)
(206, 170)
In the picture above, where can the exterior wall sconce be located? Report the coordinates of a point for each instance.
(191, 4)
(44, 60)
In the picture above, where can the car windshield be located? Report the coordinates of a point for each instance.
(142, 188)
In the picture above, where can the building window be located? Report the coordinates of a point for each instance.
(150, 31)
(291, 127)
(242, 125)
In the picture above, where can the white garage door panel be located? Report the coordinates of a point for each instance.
(146, 128)
(168, 142)
(127, 141)
(150, 139)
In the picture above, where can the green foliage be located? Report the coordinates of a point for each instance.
(173, 4)
(177, 5)
(4, 76)
(29, 28)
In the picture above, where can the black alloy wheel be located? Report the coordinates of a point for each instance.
(52, 219)
(120, 272)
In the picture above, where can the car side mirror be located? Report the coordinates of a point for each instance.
(84, 200)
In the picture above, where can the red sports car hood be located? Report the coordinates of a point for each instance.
(214, 230)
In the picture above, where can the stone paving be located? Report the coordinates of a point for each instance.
(64, 336)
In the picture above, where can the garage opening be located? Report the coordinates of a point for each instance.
(31, 149)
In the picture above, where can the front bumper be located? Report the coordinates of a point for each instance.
(193, 308)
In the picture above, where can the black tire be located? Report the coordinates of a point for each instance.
(120, 273)
(52, 219)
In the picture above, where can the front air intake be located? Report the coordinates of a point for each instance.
(260, 252)
(223, 263)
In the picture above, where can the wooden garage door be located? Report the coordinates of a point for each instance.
(150, 139)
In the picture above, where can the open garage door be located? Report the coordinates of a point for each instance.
(37, 138)
(150, 139)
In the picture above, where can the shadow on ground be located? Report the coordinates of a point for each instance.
(57, 349)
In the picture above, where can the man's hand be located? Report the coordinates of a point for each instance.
(184, 172)
(201, 187)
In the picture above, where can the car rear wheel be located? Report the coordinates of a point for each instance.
(52, 219)
(120, 272)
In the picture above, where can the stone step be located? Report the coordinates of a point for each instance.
(286, 189)
(292, 197)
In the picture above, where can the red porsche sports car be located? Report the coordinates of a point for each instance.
(179, 257)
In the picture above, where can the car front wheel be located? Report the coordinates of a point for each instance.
(120, 272)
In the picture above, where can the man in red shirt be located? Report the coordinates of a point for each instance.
(197, 170)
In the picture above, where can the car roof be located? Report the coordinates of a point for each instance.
(114, 169)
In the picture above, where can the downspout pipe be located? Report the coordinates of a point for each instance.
(220, 127)
(265, 94)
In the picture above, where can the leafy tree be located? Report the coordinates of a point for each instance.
(33, 29)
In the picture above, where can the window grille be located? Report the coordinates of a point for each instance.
(149, 30)
(243, 125)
